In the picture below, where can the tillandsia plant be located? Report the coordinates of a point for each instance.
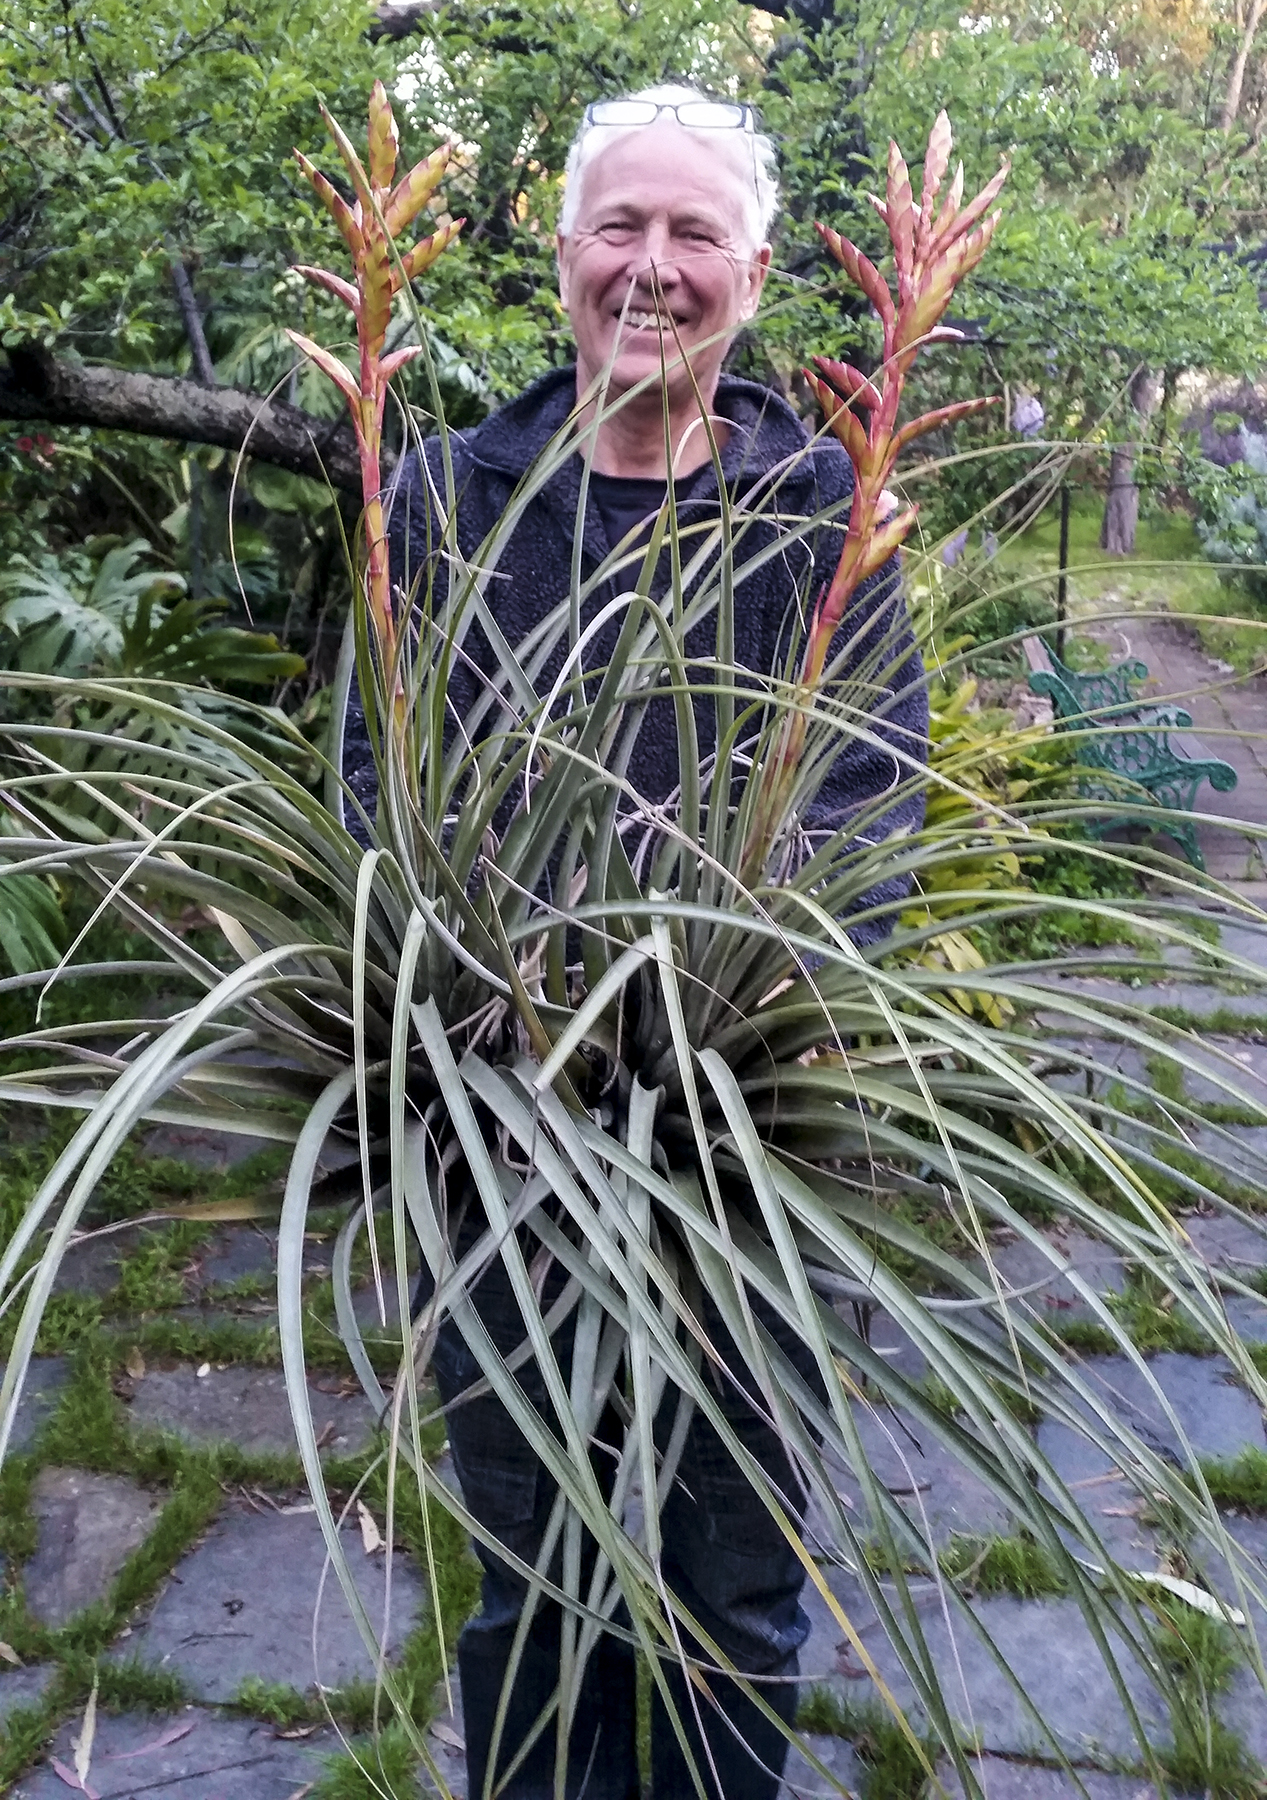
(931, 255)
(383, 207)
(684, 1103)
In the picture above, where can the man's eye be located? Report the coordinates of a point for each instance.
(615, 228)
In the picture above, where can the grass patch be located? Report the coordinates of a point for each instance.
(130, 1686)
(1002, 1565)
(893, 1767)
(1202, 1655)
(17, 1530)
(27, 1731)
(1151, 1315)
(1238, 1482)
(1085, 1336)
(152, 1278)
(275, 1701)
(382, 1769)
(1220, 1021)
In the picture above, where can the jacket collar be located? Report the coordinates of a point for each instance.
(764, 429)
(764, 433)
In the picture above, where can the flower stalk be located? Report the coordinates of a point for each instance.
(369, 227)
(931, 256)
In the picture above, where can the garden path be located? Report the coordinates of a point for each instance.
(154, 1525)
(164, 1529)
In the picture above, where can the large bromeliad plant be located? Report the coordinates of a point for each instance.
(665, 1071)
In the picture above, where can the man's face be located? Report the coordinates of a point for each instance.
(662, 210)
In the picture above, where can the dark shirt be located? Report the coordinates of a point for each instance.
(779, 481)
(624, 501)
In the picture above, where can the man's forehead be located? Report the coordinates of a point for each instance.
(665, 168)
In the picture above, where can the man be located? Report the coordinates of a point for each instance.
(663, 253)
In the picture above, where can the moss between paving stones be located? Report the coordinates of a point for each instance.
(1204, 1756)
(1002, 1565)
(894, 1768)
(90, 1429)
(1238, 1483)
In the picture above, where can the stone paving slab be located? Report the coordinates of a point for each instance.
(1194, 997)
(91, 1265)
(1247, 1317)
(892, 1343)
(23, 1687)
(214, 1758)
(214, 1150)
(1116, 1511)
(237, 1251)
(932, 1487)
(1021, 1263)
(1243, 1708)
(445, 1742)
(88, 1527)
(46, 1376)
(248, 1406)
(251, 1249)
(1236, 1244)
(1003, 1780)
(1236, 1073)
(1218, 1416)
(1045, 1644)
(803, 1782)
(1240, 1150)
(242, 1602)
(1213, 1571)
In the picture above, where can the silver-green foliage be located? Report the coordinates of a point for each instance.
(696, 1084)
(32, 933)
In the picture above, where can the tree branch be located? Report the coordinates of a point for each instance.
(1236, 79)
(399, 18)
(39, 389)
(191, 314)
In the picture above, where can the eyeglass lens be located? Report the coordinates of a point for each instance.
(706, 115)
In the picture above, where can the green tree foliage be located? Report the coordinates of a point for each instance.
(150, 214)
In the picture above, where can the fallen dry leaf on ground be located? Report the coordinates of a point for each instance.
(371, 1536)
(83, 1743)
(71, 1779)
(172, 1735)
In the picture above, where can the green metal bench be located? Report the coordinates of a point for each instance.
(1137, 751)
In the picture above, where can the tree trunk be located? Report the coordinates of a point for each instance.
(1121, 507)
(1236, 79)
(191, 314)
(38, 389)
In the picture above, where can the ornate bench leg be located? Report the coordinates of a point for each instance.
(1186, 837)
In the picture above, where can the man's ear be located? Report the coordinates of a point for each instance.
(561, 257)
(758, 269)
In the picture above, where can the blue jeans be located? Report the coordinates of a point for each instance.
(724, 1558)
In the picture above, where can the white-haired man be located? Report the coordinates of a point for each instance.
(663, 251)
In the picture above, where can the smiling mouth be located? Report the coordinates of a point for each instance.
(649, 321)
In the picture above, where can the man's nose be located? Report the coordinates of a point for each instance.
(656, 260)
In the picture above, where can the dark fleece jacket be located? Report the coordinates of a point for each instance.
(766, 442)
